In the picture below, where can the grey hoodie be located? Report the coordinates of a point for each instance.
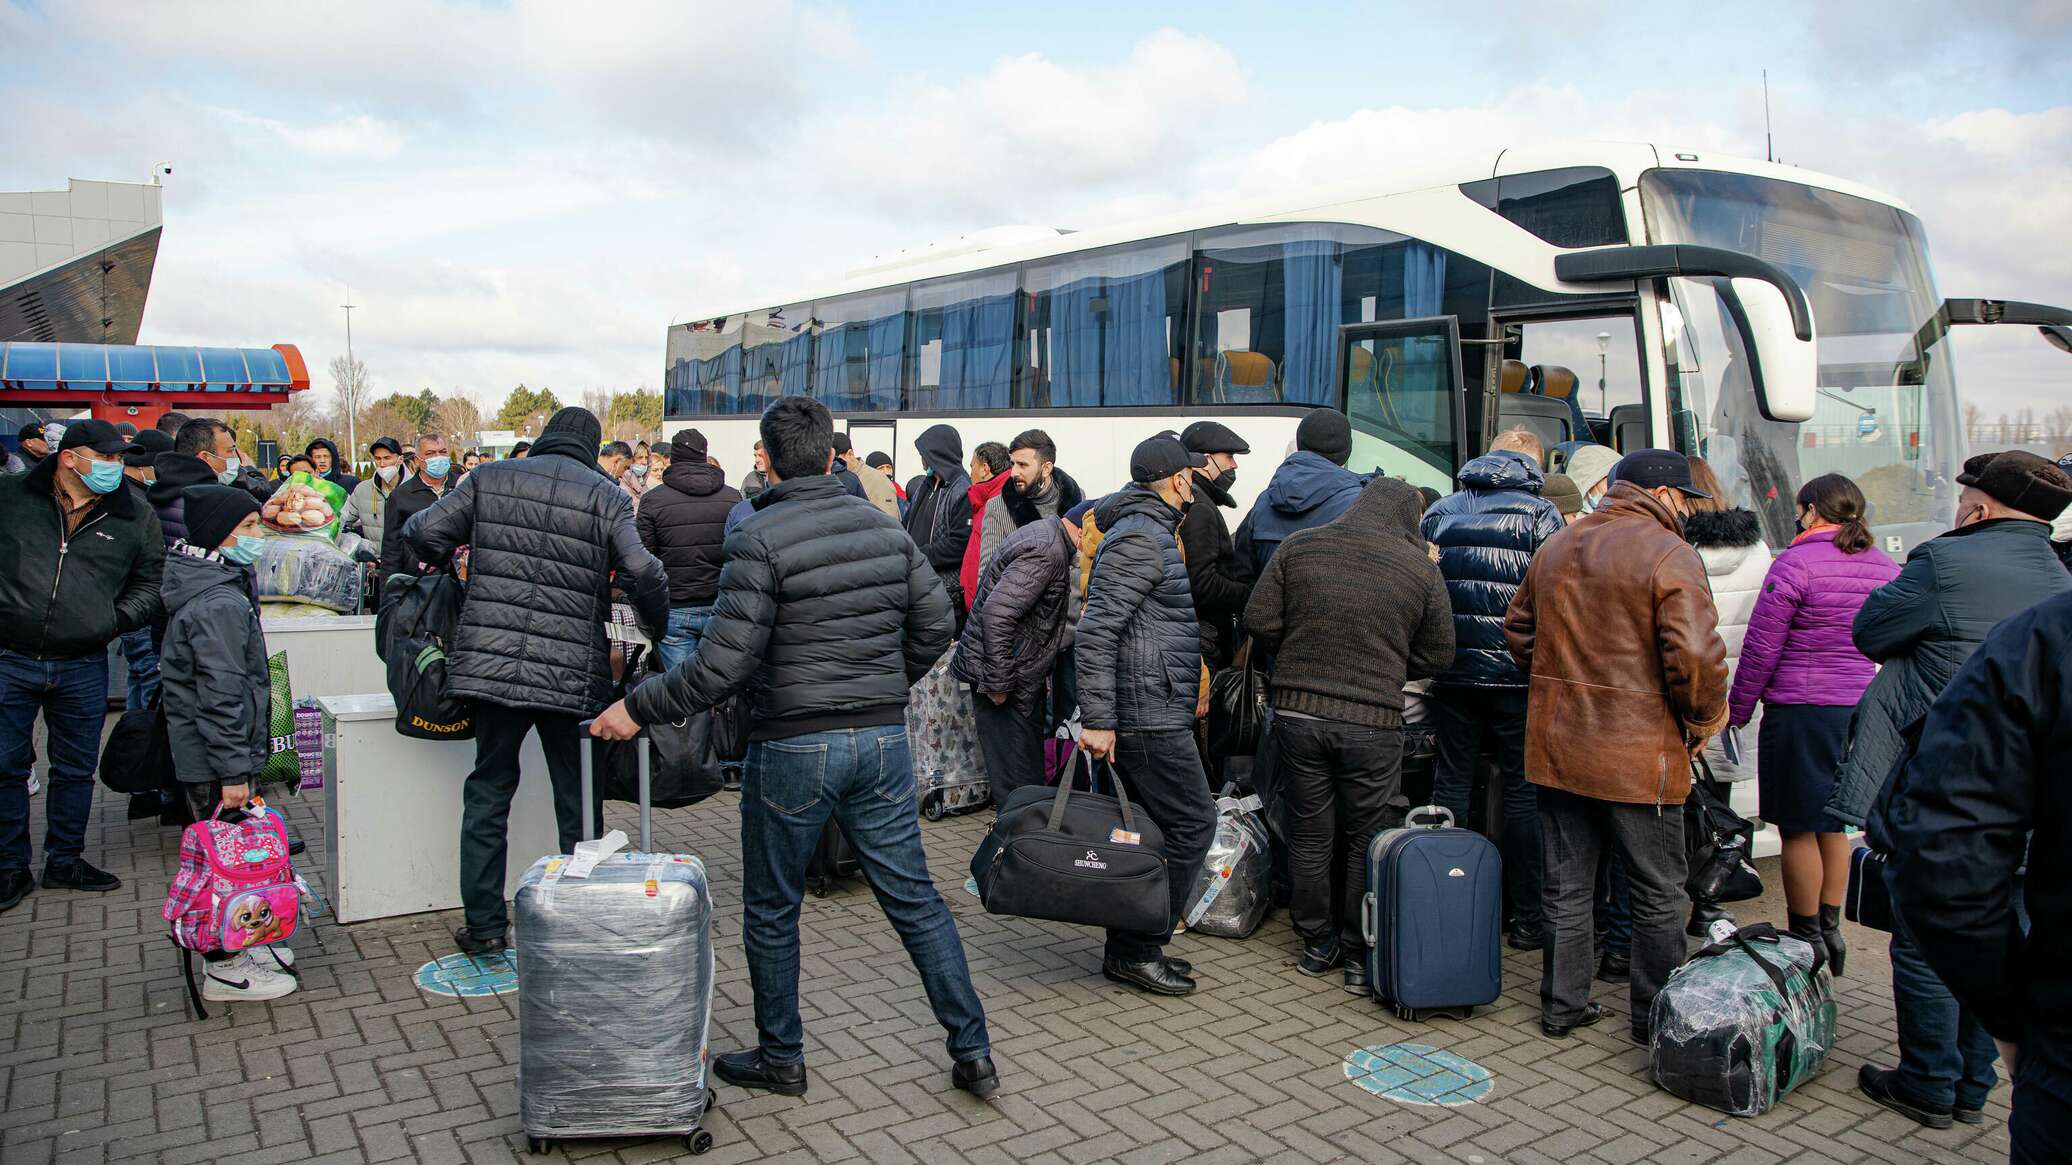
(212, 670)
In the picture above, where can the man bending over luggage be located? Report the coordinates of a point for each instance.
(1139, 659)
(1349, 611)
(827, 613)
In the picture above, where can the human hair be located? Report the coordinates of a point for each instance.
(197, 435)
(616, 449)
(1836, 499)
(1520, 441)
(170, 423)
(841, 444)
(798, 437)
(640, 448)
(1702, 477)
(994, 454)
(304, 459)
(1431, 496)
(1036, 441)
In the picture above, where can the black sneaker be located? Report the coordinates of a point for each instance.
(978, 1077)
(1615, 967)
(15, 885)
(477, 946)
(748, 1069)
(1880, 1085)
(1319, 961)
(77, 875)
(1592, 1013)
(1356, 980)
(1968, 1116)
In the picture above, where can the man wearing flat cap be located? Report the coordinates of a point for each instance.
(1220, 583)
(1921, 627)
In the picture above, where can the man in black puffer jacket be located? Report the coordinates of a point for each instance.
(1139, 659)
(683, 522)
(544, 533)
(1486, 535)
(827, 613)
(1011, 641)
(939, 513)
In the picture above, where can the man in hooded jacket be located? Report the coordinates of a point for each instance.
(939, 514)
(1310, 488)
(323, 454)
(683, 522)
(546, 534)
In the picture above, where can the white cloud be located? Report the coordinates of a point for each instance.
(357, 137)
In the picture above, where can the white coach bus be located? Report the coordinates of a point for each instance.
(1778, 321)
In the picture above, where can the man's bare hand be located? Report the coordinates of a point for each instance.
(614, 723)
(236, 797)
(999, 698)
(1099, 743)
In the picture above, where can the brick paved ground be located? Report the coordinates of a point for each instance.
(99, 1060)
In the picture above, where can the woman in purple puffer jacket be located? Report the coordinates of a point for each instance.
(1799, 659)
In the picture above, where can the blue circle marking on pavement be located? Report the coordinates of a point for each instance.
(466, 976)
(1418, 1074)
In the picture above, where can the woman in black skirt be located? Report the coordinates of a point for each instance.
(1800, 661)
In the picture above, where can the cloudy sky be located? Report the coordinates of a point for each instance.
(533, 190)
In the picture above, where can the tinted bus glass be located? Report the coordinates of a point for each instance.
(859, 354)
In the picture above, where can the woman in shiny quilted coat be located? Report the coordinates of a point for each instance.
(1800, 661)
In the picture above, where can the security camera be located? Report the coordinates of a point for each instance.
(159, 169)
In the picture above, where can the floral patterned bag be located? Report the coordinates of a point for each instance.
(949, 768)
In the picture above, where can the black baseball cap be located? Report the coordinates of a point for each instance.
(1213, 437)
(389, 443)
(33, 431)
(146, 447)
(1160, 457)
(1656, 468)
(94, 434)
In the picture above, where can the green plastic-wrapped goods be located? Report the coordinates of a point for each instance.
(283, 763)
(1744, 1022)
(304, 504)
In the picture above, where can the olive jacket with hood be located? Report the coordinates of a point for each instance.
(212, 670)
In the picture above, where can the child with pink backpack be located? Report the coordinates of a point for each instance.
(236, 898)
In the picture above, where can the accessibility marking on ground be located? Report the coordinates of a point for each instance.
(469, 976)
(1418, 1074)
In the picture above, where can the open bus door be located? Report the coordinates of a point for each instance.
(1400, 383)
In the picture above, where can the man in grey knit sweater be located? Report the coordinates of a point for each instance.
(1350, 612)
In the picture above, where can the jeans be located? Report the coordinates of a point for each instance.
(1577, 832)
(1012, 742)
(1338, 780)
(1463, 715)
(862, 778)
(486, 802)
(686, 628)
(2041, 1124)
(143, 668)
(1945, 1057)
(73, 697)
(1162, 773)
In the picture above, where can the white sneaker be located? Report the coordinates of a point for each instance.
(242, 978)
(274, 955)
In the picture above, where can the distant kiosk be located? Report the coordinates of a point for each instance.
(139, 384)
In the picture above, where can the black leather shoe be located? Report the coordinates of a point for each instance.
(77, 875)
(978, 1077)
(1525, 938)
(476, 946)
(1879, 1085)
(15, 886)
(1319, 961)
(1157, 976)
(295, 843)
(1703, 915)
(1615, 967)
(748, 1069)
(1968, 1116)
(1643, 1034)
(1180, 965)
(1592, 1013)
(1356, 981)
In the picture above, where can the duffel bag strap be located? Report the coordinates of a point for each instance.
(1763, 932)
(1064, 794)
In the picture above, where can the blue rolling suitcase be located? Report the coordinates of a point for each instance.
(1434, 918)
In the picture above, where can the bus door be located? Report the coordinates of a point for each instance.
(1568, 375)
(868, 437)
(1400, 383)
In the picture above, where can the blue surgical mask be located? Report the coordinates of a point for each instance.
(640, 470)
(245, 551)
(104, 477)
(437, 466)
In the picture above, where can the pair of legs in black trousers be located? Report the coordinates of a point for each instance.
(1162, 773)
(1464, 717)
(1577, 832)
(1338, 780)
(486, 803)
(1011, 741)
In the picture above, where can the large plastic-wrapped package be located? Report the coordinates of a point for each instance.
(1744, 1022)
(307, 568)
(1234, 888)
(304, 504)
(615, 976)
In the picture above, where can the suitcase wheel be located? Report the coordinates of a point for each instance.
(711, 1098)
(698, 1143)
(538, 1146)
(931, 807)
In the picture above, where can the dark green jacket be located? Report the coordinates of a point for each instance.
(66, 597)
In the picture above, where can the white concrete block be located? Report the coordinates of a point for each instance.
(17, 228)
(53, 229)
(126, 203)
(89, 199)
(55, 202)
(51, 254)
(17, 202)
(16, 260)
(89, 234)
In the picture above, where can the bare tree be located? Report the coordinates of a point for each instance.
(598, 401)
(349, 381)
(1974, 422)
(458, 419)
(2057, 428)
(2025, 426)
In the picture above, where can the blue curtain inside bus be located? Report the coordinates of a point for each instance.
(886, 357)
(1075, 344)
(977, 353)
(1139, 350)
(1424, 280)
(1314, 280)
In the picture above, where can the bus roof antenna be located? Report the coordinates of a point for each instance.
(1769, 146)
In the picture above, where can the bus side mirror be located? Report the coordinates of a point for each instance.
(2059, 335)
(1785, 368)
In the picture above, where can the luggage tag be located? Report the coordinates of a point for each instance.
(1121, 836)
(589, 853)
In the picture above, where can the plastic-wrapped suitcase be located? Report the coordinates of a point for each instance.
(1434, 918)
(1745, 1021)
(615, 973)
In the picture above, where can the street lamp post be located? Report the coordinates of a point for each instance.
(1604, 343)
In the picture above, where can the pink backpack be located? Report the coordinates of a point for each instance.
(235, 888)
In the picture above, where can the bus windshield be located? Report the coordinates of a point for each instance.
(1887, 414)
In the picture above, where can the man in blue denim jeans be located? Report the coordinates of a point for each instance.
(83, 556)
(683, 521)
(827, 614)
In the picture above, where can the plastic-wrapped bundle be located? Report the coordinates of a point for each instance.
(303, 568)
(614, 996)
(1233, 890)
(1743, 1022)
(949, 766)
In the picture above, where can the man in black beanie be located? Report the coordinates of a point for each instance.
(546, 534)
(1310, 488)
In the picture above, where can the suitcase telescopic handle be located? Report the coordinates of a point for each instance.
(592, 812)
(1441, 812)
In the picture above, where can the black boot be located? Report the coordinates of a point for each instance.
(1831, 933)
(1807, 926)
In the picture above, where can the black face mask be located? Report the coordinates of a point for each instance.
(1226, 479)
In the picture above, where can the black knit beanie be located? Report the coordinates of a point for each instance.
(1326, 433)
(213, 511)
(576, 422)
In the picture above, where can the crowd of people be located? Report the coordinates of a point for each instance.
(1581, 647)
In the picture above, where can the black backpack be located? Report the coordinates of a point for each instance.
(418, 620)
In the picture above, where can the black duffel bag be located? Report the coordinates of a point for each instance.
(682, 769)
(1237, 707)
(1719, 847)
(418, 621)
(1075, 857)
(138, 757)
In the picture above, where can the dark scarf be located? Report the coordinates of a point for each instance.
(1022, 508)
(571, 445)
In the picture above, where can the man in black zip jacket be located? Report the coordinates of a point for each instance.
(827, 614)
(1139, 663)
(939, 510)
(1219, 581)
(683, 522)
(83, 556)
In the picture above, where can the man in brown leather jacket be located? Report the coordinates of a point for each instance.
(1628, 677)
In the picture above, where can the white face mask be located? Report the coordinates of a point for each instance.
(387, 472)
(231, 465)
